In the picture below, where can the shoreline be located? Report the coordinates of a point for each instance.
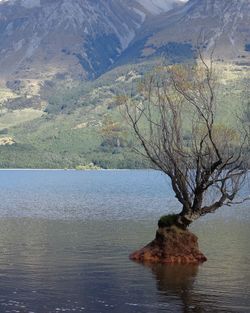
(72, 169)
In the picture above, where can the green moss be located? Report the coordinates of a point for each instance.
(167, 220)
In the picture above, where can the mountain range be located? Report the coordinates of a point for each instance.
(85, 38)
(80, 37)
(62, 62)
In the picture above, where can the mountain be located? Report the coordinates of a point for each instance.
(219, 25)
(82, 39)
(63, 62)
(41, 38)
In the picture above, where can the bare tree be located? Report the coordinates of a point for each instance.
(174, 117)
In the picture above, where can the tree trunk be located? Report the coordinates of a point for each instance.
(183, 220)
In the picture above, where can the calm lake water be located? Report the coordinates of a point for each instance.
(66, 235)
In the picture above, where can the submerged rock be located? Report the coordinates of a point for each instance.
(171, 245)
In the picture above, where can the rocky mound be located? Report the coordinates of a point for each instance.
(172, 246)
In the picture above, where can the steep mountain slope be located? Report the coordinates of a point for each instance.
(40, 38)
(84, 38)
(223, 25)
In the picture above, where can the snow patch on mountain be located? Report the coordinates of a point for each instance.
(158, 6)
(29, 4)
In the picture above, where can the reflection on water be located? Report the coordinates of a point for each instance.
(176, 281)
(74, 258)
(176, 286)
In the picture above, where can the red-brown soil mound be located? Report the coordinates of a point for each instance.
(171, 245)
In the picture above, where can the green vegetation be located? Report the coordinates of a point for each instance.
(86, 167)
(76, 123)
(17, 117)
(167, 220)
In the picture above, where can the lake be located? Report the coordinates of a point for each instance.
(66, 236)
